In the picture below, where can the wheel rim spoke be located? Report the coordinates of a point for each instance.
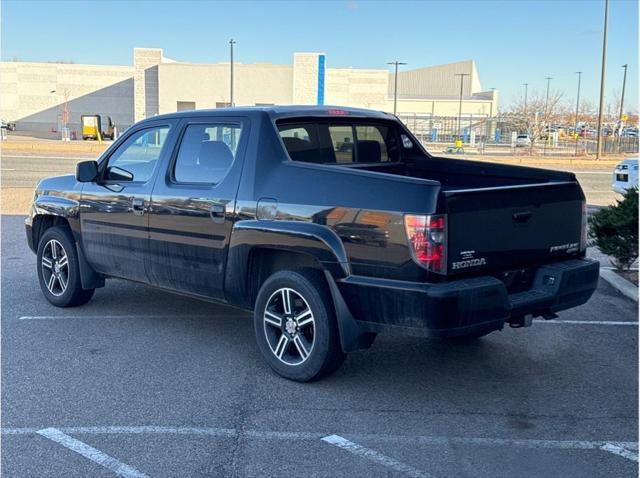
(304, 318)
(46, 262)
(273, 319)
(63, 261)
(54, 253)
(51, 283)
(303, 349)
(282, 346)
(63, 282)
(286, 301)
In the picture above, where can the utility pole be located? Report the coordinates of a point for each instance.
(395, 84)
(624, 84)
(602, 75)
(461, 75)
(546, 114)
(231, 100)
(526, 118)
(575, 123)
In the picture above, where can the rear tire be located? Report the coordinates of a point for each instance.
(58, 269)
(295, 326)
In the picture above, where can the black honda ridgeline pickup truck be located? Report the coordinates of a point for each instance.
(332, 224)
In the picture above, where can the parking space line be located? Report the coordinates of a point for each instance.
(621, 451)
(131, 316)
(374, 456)
(585, 322)
(91, 453)
(624, 449)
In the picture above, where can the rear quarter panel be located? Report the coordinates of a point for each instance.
(364, 209)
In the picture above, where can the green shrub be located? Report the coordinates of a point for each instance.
(614, 230)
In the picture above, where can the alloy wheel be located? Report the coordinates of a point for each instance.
(289, 326)
(55, 267)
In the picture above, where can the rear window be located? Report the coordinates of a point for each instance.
(344, 143)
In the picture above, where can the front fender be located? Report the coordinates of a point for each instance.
(56, 206)
(312, 239)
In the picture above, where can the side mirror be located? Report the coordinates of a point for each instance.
(86, 171)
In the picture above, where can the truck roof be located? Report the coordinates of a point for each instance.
(278, 112)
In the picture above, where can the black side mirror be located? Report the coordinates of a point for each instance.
(86, 171)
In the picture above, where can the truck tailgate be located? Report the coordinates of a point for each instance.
(496, 229)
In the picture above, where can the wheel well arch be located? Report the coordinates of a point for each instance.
(265, 261)
(42, 222)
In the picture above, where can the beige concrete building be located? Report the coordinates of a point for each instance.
(34, 94)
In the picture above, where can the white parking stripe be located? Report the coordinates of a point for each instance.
(97, 317)
(625, 449)
(621, 451)
(585, 322)
(374, 456)
(91, 453)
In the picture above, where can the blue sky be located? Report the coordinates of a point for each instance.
(512, 41)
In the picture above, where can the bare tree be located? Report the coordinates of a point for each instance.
(538, 116)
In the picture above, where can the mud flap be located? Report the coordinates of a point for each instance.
(89, 278)
(352, 336)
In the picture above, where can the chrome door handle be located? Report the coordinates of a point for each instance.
(137, 206)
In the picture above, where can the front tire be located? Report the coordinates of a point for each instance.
(58, 269)
(295, 326)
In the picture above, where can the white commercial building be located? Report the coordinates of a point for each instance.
(34, 95)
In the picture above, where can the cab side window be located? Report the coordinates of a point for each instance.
(206, 153)
(137, 157)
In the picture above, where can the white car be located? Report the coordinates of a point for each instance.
(625, 176)
(523, 140)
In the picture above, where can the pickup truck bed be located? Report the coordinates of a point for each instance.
(332, 224)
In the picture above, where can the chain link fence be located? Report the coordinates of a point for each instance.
(497, 133)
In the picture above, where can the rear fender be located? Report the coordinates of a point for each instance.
(314, 240)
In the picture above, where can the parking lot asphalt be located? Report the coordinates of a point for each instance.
(143, 383)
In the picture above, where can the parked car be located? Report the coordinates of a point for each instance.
(254, 207)
(523, 140)
(8, 125)
(625, 176)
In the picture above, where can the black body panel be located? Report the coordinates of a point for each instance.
(347, 219)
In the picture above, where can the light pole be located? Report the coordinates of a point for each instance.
(624, 84)
(546, 114)
(461, 75)
(602, 75)
(65, 114)
(231, 43)
(575, 123)
(395, 84)
(526, 118)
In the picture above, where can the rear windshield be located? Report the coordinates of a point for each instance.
(340, 143)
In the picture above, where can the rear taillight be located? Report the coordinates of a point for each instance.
(427, 237)
(583, 232)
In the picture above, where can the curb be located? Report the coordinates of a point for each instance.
(623, 286)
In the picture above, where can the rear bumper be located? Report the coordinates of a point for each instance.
(461, 307)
